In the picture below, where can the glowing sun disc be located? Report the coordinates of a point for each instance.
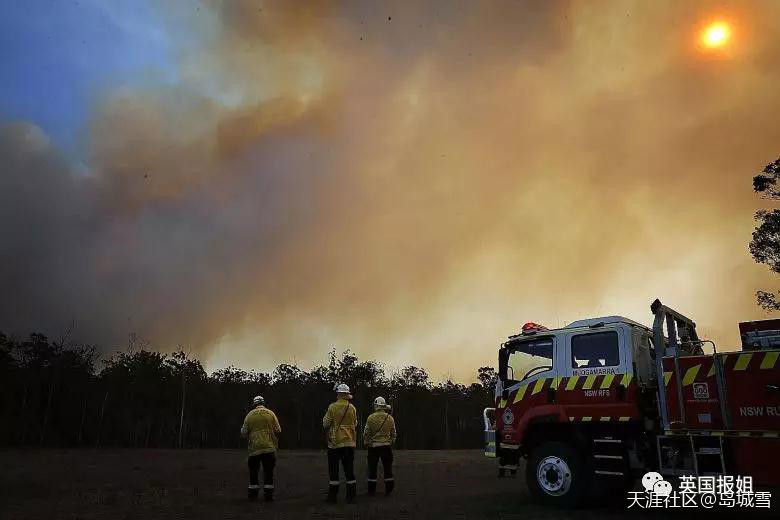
(716, 35)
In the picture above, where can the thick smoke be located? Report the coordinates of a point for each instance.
(409, 181)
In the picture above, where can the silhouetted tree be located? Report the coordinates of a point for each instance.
(192, 375)
(52, 395)
(765, 245)
(46, 387)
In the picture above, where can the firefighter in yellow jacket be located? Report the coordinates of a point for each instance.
(378, 437)
(261, 429)
(339, 423)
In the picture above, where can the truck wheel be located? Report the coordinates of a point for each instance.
(558, 475)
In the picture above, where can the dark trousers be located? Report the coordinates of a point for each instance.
(385, 454)
(507, 463)
(345, 457)
(268, 461)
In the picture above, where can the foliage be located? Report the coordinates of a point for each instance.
(765, 245)
(52, 394)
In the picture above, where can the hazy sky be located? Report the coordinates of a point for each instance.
(261, 181)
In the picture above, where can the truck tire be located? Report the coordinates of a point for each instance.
(558, 475)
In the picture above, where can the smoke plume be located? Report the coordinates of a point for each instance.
(410, 180)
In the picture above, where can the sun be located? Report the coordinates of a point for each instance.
(716, 34)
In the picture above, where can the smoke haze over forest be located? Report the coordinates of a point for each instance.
(411, 181)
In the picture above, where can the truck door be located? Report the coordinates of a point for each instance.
(597, 370)
(529, 380)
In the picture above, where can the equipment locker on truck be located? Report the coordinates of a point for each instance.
(608, 399)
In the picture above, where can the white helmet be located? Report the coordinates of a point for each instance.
(258, 400)
(342, 389)
(379, 402)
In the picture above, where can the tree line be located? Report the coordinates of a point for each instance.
(57, 394)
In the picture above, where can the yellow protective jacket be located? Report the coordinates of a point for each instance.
(339, 422)
(261, 428)
(379, 430)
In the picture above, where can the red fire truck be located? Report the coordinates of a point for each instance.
(605, 400)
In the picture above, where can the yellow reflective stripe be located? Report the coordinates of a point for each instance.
(716, 434)
(605, 419)
(744, 434)
(624, 419)
(690, 375)
(491, 454)
(520, 393)
(588, 384)
(626, 379)
(667, 377)
(538, 386)
(742, 361)
(555, 382)
(712, 369)
(607, 381)
(572, 382)
(771, 434)
(586, 419)
(770, 358)
(502, 404)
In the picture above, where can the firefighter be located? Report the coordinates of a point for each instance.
(261, 429)
(379, 436)
(339, 422)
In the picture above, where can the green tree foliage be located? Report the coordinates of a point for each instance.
(765, 245)
(52, 394)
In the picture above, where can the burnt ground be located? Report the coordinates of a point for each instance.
(195, 484)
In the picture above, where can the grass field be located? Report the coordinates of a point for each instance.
(195, 484)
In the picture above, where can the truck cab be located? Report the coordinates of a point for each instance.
(604, 400)
(559, 389)
(587, 371)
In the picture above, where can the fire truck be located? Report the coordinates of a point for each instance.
(602, 401)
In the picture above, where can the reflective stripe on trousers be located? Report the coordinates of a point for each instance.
(385, 454)
(268, 462)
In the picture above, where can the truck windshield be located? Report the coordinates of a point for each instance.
(528, 358)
